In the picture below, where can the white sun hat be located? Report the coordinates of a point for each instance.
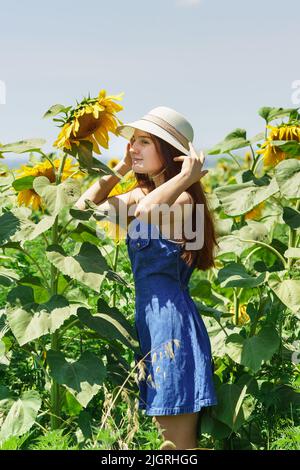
(165, 123)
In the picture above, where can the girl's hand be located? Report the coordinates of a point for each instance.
(127, 160)
(192, 165)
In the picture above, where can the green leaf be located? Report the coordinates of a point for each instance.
(257, 137)
(37, 229)
(5, 354)
(54, 110)
(213, 427)
(290, 147)
(23, 146)
(235, 243)
(204, 310)
(84, 153)
(292, 253)
(269, 114)
(201, 289)
(288, 291)
(8, 276)
(83, 378)
(16, 226)
(248, 175)
(287, 174)
(57, 197)
(11, 222)
(235, 275)
(110, 324)
(6, 180)
(231, 409)
(40, 292)
(21, 416)
(238, 199)
(21, 295)
(233, 141)
(84, 233)
(291, 217)
(223, 226)
(23, 183)
(251, 352)
(71, 406)
(81, 215)
(33, 321)
(85, 424)
(88, 267)
(218, 335)
(6, 399)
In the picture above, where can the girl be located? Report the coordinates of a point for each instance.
(176, 379)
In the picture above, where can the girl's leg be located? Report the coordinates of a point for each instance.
(180, 429)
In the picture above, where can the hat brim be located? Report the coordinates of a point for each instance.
(127, 131)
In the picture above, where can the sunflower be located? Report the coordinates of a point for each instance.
(256, 212)
(243, 316)
(223, 166)
(29, 197)
(272, 154)
(248, 158)
(128, 182)
(112, 230)
(91, 120)
(113, 162)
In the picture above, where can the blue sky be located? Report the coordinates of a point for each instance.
(215, 61)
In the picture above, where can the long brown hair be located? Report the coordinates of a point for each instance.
(204, 258)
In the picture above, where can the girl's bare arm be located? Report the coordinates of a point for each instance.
(99, 191)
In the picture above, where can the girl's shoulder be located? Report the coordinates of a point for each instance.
(139, 193)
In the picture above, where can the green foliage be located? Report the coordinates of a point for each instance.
(67, 336)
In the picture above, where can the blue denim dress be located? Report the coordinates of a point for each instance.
(176, 368)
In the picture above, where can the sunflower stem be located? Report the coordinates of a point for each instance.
(63, 229)
(61, 168)
(236, 297)
(115, 264)
(234, 158)
(37, 265)
(255, 160)
(293, 242)
(55, 343)
(252, 151)
(271, 248)
(55, 416)
(47, 158)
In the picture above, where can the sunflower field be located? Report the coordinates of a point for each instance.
(68, 378)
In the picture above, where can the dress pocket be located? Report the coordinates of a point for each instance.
(139, 243)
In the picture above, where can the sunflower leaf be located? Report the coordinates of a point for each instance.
(21, 415)
(84, 153)
(31, 320)
(83, 377)
(56, 197)
(287, 174)
(234, 140)
(54, 110)
(110, 324)
(238, 199)
(88, 266)
(269, 114)
(291, 217)
(23, 146)
(291, 147)
(23, 183)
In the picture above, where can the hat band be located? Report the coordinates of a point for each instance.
(166, 126)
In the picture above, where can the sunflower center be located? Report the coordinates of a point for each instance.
(88, 124)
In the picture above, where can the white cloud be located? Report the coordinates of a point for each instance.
(188, 3)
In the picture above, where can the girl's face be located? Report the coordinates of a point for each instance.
(145, 158)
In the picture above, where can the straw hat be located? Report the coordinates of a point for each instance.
(165, 123)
